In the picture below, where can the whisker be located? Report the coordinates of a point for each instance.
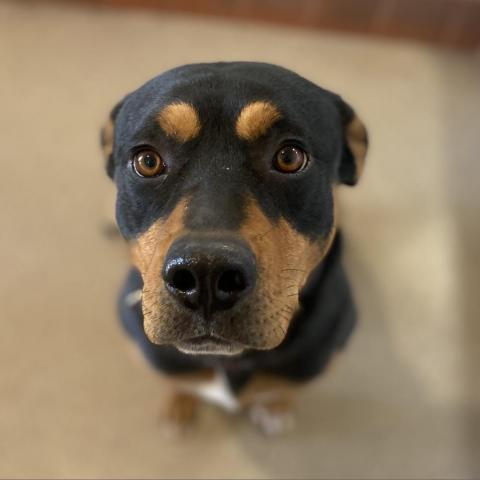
(260, 235)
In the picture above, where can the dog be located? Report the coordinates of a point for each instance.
(226, 177)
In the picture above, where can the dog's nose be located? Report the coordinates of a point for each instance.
(209, 273)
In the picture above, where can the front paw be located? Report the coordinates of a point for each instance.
(180, 414)
(273, 418)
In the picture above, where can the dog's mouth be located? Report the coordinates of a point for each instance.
(209, 345)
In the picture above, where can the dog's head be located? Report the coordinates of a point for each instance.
(226, 175)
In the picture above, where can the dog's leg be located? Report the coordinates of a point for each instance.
(274, 417)
(269, 402)
(183, 405)
(180, 413)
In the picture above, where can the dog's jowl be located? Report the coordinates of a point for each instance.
(226, 175)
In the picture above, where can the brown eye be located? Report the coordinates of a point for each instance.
(148, 163)
(290, 159)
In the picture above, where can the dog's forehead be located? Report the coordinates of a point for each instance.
(251, 97)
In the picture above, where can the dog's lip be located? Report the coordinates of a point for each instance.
(199, 340)
(210, 344)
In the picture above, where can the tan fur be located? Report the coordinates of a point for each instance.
(285, 259)
(269, 401)
(148, 254)
(180, 120)
(356, 135)
(255, 119)
(181, 411)
(107, 138)
(266, 388)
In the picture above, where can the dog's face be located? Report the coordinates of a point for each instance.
(226, 176)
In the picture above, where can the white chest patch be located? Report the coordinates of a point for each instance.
(216, 391)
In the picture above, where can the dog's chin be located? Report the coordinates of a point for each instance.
(210, 345)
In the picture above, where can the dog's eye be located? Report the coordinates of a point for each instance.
(148, 163)
(290, 159)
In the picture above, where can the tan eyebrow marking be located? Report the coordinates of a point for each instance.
(180, 120)
(255, 119)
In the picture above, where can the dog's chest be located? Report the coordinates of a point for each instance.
(215, 390)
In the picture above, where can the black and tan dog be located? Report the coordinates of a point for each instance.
(226, 177)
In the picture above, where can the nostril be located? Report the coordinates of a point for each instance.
(183, 280)
(231, 281)
(208, 273)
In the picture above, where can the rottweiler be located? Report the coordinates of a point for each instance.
(226, 177)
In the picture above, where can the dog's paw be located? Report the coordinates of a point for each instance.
(272, 419)
(180, 414)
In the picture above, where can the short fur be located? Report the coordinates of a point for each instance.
(180, 121)
(255, 119)
(218, 127)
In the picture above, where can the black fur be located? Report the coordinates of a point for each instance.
(203, 167)
(216, 170)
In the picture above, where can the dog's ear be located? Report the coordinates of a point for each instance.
(355, 144)
(107, 138)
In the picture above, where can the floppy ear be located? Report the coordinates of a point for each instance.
(107, 138)
(355, 144)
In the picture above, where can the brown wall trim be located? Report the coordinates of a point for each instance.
(453, 23)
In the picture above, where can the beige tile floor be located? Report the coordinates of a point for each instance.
(404, 401)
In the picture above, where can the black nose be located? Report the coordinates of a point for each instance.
(209, 273)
